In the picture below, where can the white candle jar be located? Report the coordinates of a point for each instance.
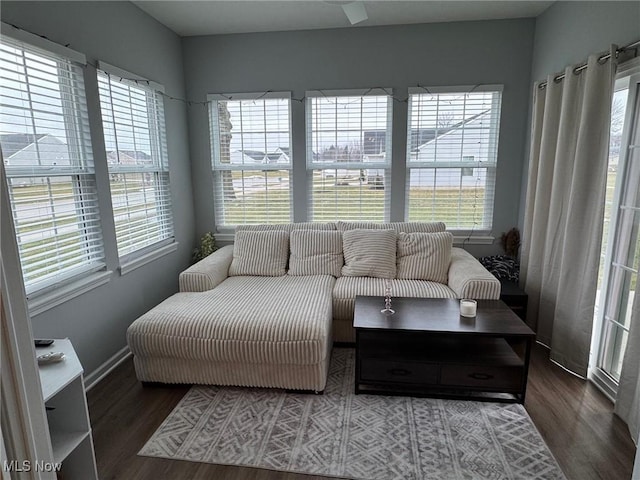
(468, 307)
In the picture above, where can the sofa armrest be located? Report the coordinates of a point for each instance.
(208, 272)
(469, 279)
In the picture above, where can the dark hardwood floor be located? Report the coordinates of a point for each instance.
(574, 418)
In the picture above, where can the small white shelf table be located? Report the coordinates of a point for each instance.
(67, 413)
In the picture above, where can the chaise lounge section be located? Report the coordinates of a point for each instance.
(247, 331)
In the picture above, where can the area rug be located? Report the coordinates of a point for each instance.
(363, 437)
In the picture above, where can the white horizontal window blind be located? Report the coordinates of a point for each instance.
(46, 147)
(349, 155)
(451, 156)
(251, 146)
(135, 140)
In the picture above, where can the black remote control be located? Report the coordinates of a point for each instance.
(43, 342)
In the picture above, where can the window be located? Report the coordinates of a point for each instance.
(44, 135)
(621, 263)
(251, 147)
(452, 150)
(349, 155)
(135, 141)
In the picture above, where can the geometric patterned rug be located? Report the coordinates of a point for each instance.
(364, 437)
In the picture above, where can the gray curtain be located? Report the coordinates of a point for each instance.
(565, 205)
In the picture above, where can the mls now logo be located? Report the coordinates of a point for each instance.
(16, 466)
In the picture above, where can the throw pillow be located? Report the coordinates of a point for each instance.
(369, 253)
(424, 256)
(315, 252)
(260, 253)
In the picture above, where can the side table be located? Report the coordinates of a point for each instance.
(515, 298)
(67, 413)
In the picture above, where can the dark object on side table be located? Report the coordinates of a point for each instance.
(506, 268)
(502, 267)
(510, 242)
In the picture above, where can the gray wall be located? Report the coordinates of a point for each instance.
(463, 53)
(568, 32)
(121, 34)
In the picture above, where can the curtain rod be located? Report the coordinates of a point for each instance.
(602, 58)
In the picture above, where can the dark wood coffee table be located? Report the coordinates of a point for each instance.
(427, 348)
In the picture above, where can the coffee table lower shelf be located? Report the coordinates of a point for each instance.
(444, 366)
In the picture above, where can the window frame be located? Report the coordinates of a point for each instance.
(386, 165)
(56, 287)
(486, 224)
(613, 285)
(159, 169)
(214, 142)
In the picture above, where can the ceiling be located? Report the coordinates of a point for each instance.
(188, 18)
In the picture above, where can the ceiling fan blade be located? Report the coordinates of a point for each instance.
(355, 12)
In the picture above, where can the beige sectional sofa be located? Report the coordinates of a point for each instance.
(266, 310)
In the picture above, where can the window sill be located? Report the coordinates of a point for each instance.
(41, 303)
(224, 237)
(132, 264)
(473, 240)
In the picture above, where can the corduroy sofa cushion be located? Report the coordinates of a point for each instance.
(244, 320)
(286, 227)
(369, 253)
(263, 253)
(347, 288)
(408, 227)
(424, 256)
(315, 252)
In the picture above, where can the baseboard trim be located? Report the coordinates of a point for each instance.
(106, 368)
